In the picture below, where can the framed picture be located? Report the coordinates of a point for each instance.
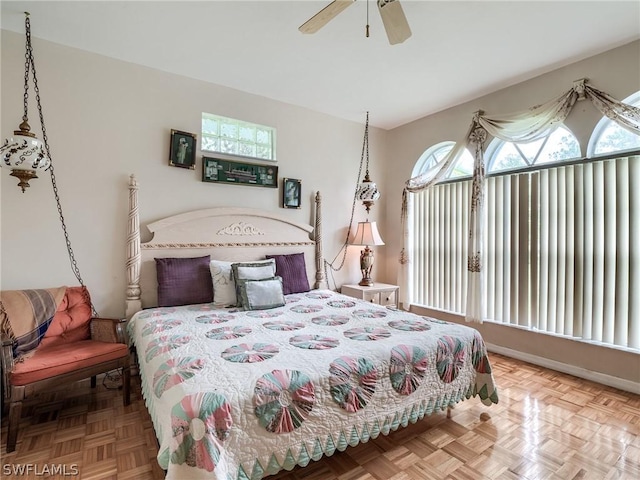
(291, 192)
(239, 173)
(182, 151)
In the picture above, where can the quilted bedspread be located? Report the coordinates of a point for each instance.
(238, 395)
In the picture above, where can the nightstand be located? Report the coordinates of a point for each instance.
(380, 293)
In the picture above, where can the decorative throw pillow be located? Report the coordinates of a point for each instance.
(71, 322)
(183, 281)
(293, 270)
(224, 287)
(258, 270)
(261, 294)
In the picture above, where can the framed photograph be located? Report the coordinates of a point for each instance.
(239, 173)
(182, 151)
(291, 192)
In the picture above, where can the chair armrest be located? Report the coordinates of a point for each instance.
(107, 330)
(6, 361)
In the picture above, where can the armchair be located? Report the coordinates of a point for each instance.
(75, 346)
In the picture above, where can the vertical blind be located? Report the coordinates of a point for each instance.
(561, 250)
(440, 225)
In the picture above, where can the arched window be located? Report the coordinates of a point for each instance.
(608, 137)
(559, 250)
(560, 146)
(433, 155)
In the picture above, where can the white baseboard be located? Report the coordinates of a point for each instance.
(611, 381)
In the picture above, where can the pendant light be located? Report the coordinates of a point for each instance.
(367, 191)
(25, 153)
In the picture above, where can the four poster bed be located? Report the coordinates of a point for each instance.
(242, 393)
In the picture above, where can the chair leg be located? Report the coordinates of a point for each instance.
(93, 381)
(126, 385)
(15, 410)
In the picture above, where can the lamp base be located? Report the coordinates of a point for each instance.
(366, 264)
(24, 176)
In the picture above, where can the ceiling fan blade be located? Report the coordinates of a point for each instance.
(325, 15)
(395, 23)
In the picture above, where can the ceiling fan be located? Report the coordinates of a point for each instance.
(395, 23)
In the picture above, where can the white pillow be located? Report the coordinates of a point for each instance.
(258, 270)
(224, 287)
(260, 294)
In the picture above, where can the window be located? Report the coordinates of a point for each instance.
(560, 146)
(608, 137)
(559, 251)
(436, 154)
(235, 137)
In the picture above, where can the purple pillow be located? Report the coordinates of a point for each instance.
(293, 271)
(184, 281)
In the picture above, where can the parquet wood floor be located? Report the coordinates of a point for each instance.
(547, 425)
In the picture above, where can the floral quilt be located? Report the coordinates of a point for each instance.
(239, 395)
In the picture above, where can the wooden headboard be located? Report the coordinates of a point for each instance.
(224, 233)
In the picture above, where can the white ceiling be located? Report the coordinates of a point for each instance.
(459, 50)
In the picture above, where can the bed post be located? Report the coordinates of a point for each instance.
(320, 280)
(133, 303)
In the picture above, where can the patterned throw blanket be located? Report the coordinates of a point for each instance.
(25, 316)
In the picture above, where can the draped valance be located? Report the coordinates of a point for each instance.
(529, 125)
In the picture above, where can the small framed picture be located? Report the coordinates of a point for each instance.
(182, 151)
(291, 192)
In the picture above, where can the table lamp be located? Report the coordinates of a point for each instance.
(366, 235)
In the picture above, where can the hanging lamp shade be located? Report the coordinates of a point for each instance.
(24, 153)
(367, 192)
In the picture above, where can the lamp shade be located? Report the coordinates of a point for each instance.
(23, 152)
(367, 191)
(367, 234)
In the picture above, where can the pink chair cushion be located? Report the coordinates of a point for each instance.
(71, 322)
(59, 359)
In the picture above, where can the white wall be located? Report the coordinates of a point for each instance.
(106, 119)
